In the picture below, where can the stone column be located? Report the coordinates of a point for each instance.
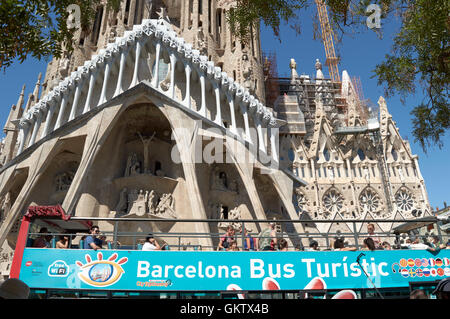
(76, 99)
(244, 111)
(50, 113)
(155, 79)
(92, 80)
(24, 129)
(233, 116)
(218, 119)
(105, 83)
(37, 124)
(123, 58)
(135, 80)
(202, 110)
(173, 62)
(187, 98)
(62, 109)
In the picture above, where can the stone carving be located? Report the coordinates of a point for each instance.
(123, 201)
(63, 180)
(233, 215)
(144, 202)
(133, 166)
(146, 143)
(200, 41)
(247, 73)
(5, 205)
(220, 181)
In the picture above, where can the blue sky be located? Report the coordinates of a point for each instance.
(360, 54)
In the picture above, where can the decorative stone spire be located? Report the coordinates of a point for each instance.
(385, 116)
(29, 102)
(293, 66)
(36, 89)
(319, 73)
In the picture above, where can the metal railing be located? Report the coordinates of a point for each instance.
(189, 240)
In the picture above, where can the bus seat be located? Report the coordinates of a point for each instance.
(30, 242)
(81, 244)
(139, 246)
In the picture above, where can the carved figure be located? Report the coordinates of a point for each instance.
(123, 203)
(146, 143)
(133, 166)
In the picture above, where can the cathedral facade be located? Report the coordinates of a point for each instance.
(120, 128)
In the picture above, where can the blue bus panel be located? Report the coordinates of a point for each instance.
(220, 270)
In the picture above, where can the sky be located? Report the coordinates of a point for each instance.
(359, 54)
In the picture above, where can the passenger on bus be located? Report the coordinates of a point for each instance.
(249, 242)
(233, 246)
(371, 232)
(339, 245)
(386, 246)
(43, 241)
(63, 242)
(267, 239)
(151, 244)
(227, 238)
(92, 241)
(369, 244)
(313, 246)
(436, 243)
(282, 245)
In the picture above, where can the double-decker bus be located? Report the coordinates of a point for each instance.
(121, 269)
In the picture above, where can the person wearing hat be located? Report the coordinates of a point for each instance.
(442, 290)
(13, 288)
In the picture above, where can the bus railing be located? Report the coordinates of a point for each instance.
(182, 240)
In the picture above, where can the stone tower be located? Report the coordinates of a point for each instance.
(199, 22)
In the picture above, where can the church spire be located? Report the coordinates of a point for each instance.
(36, 89)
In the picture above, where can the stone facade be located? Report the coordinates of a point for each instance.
(328, 143)
(148, 85)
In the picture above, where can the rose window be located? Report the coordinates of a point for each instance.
(369, 201)
(404, 200)
(333, 201)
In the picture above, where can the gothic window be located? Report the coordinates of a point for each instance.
(333, 201)
(394, 154)
(291, 154)
(404, 200)
(361, 154)
(369, 200)
(326, 154)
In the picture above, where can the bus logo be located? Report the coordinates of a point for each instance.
(100, 272)
(58, 268)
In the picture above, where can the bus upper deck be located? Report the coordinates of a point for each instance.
(185, 268)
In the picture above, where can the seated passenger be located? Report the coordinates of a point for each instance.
(313, 246)
(340, 246)
(369, 244)
(249, 242)
(43, 241)
(150, 244)
(226, 239)
(92, 241)
(386, 246)
(282, 245)
(233, 246)
(63, 242)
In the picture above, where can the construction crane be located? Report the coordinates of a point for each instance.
(327, 37)
(372, 128)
